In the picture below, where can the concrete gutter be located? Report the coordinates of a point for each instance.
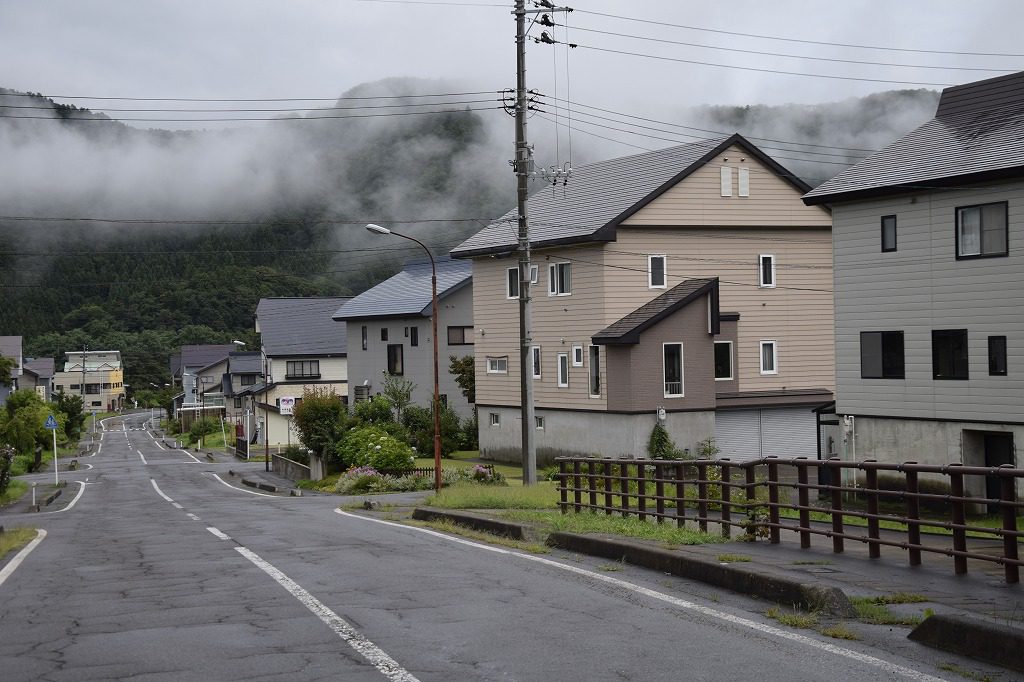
(974, 638)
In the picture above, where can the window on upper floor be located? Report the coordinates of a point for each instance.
(238, 403)
(396, 354)
(997, 356)
(769, 357)
(535, 361)
(414, 336)
(595, 371)
(981, 231)
(723, 360)
(672, 369)
(365, 337)
(726, 176)
(383, 333)
(302, 369)
(460, 336)
(888, 233)
(577, 356)
(563, 369)
(534, 274)
(247, 379)
(743, 182)
(497, 364)
(656, 277)
(949, 354)
(881, 355)
(512, 283)
(560, 279)
(766, 271)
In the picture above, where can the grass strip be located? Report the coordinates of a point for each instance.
(15, 489)
(870, 611)
(793, 619)
(468, 496)
(614, 525)
(14, 539)
(455, 529)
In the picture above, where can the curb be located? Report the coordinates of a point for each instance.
(270, 488)
(774, 588)
(974, 638)
(516, 531)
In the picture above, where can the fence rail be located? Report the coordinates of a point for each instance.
(752, 496)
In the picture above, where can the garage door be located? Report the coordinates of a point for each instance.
(789, 432)
(738, 434)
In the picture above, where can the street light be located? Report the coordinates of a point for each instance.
(377, 229)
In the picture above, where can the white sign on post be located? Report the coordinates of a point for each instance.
(287, 405)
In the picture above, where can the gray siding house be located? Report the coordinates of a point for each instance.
(390, 330)
(929, 299)
(10, 347)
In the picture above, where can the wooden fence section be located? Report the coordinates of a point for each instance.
(766, 496)
(427, 472)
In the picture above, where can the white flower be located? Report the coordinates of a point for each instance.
(377, 448)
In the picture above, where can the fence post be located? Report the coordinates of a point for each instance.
(959, 517)
(871, 488)
(836, 474)
(576, 491)
(804, 500)
(913, 517)
(607, 469)
(726, 488)
(702, 497)
(680, 496)
(591, 488)
(659, 491)
(1007, 497)
(563, 483)
(773, 501)
(641, 489)
(624, 485)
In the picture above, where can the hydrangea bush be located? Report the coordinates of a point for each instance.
(372, 446)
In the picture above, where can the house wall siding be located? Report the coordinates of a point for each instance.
(921, 287)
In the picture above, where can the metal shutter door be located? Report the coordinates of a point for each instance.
(738, 434)
(789, 432)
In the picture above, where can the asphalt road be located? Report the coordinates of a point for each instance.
(161, 571)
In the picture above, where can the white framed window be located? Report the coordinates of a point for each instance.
(539, 423)
(672, 369)
(595, 372)
(656, 275)
(766, 271)
(495, 419)
(726, 173)
(769, 357)
(577, 356)
(535, 361)
(497, 365)
(563, 370)
(744, 182)
(723, 360)
(534, 274)
(512, 283)
(560, 279)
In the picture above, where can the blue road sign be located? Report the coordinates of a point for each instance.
(51, 423)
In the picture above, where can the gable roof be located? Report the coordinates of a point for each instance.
(41, 367)
(976, 136)
(627, 330)
(245, 362)
(301, 326)
(202, 355)
(599, 196)
(408, 293)
(10, 347)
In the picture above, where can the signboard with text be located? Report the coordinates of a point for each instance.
(287, 404)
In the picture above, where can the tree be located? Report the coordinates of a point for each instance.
(464, 371)
(23, 424)
(7, 365)
(321, 420)
(398, 391)
(72, 407)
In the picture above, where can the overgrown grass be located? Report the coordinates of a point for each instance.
(793, 619)
(732, 558)
(467, 496)
(614, 525)
(15, 489)
(897, 598)
(840, 632)
(964, 673)
(326, 484)
(455, 529)
(14, 539)
(870, 610)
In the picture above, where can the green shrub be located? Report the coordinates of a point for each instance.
(475, 474)
(321, 420)
(296, 454)
(374, 446)
(366, 479)
(376, 410)
(661, 446)
(202, 427)
(419, 423)
(470, 433)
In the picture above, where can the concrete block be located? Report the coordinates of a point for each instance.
(516, 531)
(974, 638)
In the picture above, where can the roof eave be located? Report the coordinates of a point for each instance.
(947, 182)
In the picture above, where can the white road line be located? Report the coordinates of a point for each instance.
(218, 533)
(891, 668)
(160, 492)
(143, 458)
(81, 489)
(8, 570)
(192, 516)
(193, 457)
(388, 666)
(158, 444)
(176, 505)
(251, 492)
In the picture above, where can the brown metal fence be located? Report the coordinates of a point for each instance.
(754, 497)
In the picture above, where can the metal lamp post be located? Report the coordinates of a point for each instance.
(377, 229)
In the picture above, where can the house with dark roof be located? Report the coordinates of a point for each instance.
(38, 375)
(186, 367)
(929, 301)
(393, 322)
(688, 284)
(302, 347)
(10, 347)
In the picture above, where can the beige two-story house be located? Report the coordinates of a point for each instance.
(691, 282)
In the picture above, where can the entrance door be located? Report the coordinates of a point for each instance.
(998, 451)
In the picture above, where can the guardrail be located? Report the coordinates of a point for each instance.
(750, 496)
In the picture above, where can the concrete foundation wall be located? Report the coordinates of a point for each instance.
(291, 470)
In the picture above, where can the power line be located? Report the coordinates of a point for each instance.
(799, 40)
(159, 221)
(285, 110)
(106, 119)
(242, 99)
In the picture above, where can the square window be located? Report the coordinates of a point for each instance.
(512, 283)
(723, 360)
(888, 233)
(577, 356)
(949, 354)
(997, 356)
(535, 361)
(881, 355)
(656, 272)
(495, 419)
(672, 366)
(595, 371)
(563, 370)
(539, 422)
(460, 336)
(769, 361)
(766, 271)
(497, 365)
(981, 231)
(560, 279)
(395, 359)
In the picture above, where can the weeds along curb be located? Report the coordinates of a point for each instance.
(731, 577)
(516, 531)
(974, 638)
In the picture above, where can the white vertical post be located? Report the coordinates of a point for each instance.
(56, 476)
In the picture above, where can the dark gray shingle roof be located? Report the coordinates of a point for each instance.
(408, 293)
(628, 329)
(600, 195)
(41, 367)
(250, 362)
(977, 134)
(203, 355)
(301, 326)
(10, 347)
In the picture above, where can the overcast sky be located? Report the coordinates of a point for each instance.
(320, 48)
